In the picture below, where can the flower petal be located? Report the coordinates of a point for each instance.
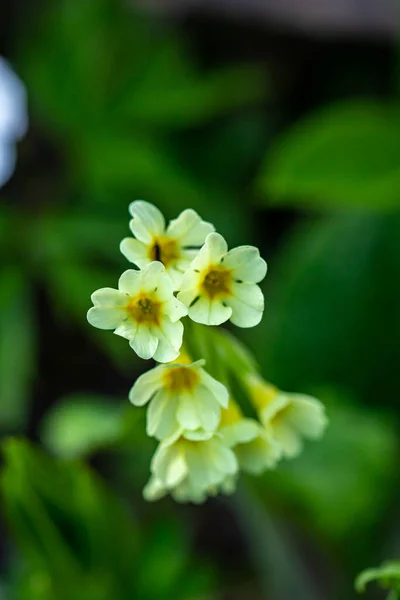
(134, 251)
(218, 390)
(189, 228)
(154, 490)
(127, 329)
(242, 432)
(146, 386)
(129, 282)
(151, 275)
(170, 340)
(108, 298)
(175, 309)
(147, 222)
(144, 343)
(209, 312)
(247, 304)
(215, 247)
(307, 415)
(189, 288)
(161, 416)
(222, 457)
(105, 318)
(289, 440)
(246, 264)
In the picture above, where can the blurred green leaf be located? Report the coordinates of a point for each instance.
(69, 525)
(79, 540)
(343, 483)
(81, 424)
(333, 301)
(387, 575)
(193, 99)
(345, 155)
(176, 575)
(17, 347)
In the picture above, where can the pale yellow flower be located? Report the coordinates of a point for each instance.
(254, 445)
(184, 399)
(222, 284)
(291, 417)
(174, 245)
(143, 310)
(190, 470)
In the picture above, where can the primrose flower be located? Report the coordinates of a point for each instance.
(254, 445)
(190, 470)
(175, 246)
(143, 310)
(183, 398)
(222, 285)
(291, 417)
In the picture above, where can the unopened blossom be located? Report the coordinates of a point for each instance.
(182, 398)
(13, 118)
(222, 284)
(174, 245)
(190, 470)
(253, 444)
(291, 417)
(143, 310)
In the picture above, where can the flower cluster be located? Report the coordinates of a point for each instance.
(184, 269)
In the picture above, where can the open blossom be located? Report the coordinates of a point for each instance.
(184, 399)
(144, 311)
(254, 445)
(174, 245)
(291, 417)
(222, 285)
(190, 470)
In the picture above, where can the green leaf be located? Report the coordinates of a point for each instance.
(332, 316)
(17, 348)
(196, 98)
(387, 575)
(69, 525)
(81, 424)
(345, 155)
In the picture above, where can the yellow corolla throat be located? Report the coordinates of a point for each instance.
(262, 393)
(232, 414)
(281, 415)
(217, 281)
(165, 250)
(181, 379)
(144, 309)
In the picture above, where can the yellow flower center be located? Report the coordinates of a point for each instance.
(217, 282)
(144, 310)
(181, 379)
(164, 249)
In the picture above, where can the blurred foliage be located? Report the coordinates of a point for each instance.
(332, 313)
(115, 88)
(343, 156)
(80, 541)
(387, 575)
